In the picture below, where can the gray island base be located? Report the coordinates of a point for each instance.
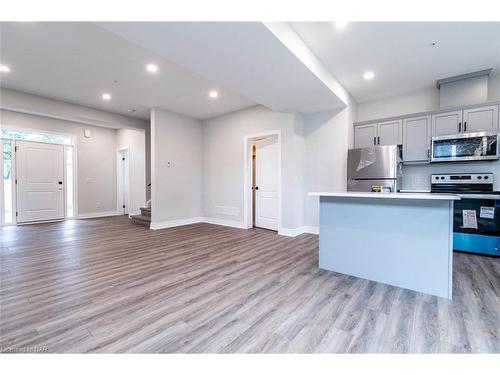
(405, 240)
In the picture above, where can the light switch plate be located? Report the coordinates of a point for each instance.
(87, 133)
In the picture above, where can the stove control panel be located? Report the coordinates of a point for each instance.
(462, 178)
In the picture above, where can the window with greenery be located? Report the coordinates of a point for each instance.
(39, 137)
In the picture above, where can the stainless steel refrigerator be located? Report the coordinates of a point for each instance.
(374, 169)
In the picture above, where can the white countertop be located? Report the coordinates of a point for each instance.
(353, 194)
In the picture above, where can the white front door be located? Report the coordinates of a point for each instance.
(266, 183)
(40, 181)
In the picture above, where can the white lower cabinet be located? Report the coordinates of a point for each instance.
(416, 139)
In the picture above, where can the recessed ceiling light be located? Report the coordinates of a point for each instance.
(4, 68)
(213, 94)
(340, 25)
(368, 75)
(106, 96)
(152, 68)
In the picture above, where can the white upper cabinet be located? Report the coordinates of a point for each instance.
(365, 135)
(378, 134)
(480, 119)
(416, 139)
(390, 133)
(447, 123)
(415, 133)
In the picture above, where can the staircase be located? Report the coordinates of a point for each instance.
(144, 218)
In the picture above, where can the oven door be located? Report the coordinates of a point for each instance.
(465, 147)
(476, 225)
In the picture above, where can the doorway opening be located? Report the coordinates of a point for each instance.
(262, 175)
(122, 179)
(12, 137)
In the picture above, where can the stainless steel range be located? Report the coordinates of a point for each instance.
(476, 218)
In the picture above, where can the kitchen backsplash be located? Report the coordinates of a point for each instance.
(418, 176)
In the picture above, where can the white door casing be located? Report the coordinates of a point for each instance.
(40, 181)
(123, 181)
(267, 181)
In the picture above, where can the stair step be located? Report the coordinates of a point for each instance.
(141, 220)
(146, 211)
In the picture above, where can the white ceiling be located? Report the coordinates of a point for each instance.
(244, 56)
(244, 61)
(400, 53)
(77, 62)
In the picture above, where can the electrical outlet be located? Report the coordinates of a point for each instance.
(170, 164)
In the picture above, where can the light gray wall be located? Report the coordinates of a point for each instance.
(223, 146)
(177, 191)
(413, 102)
(419, 176)
(135, 141)
(328, 137)
(96, 158)
(418, 101)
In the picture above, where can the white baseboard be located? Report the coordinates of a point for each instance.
(224, 222)
(91, 215)
(291, 232)
(311, 230)
(193, 220)
(175, 223)
(229, 223)
(298, 231)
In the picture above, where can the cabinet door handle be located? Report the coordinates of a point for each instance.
(378, 140)
(428, 153)
(374, 141)
(459, 127)
(465, 126)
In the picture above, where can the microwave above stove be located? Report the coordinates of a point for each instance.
(465, 147)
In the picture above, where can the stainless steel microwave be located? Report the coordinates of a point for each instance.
(465, 147)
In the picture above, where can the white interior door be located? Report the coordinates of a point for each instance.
(40, 181)
(266, 183)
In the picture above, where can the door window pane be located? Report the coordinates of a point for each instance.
(38, 137)
(7, 180)
(69, 182)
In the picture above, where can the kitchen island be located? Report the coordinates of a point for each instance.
(401, 239)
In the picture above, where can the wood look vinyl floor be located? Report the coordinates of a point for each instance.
(106, 285)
